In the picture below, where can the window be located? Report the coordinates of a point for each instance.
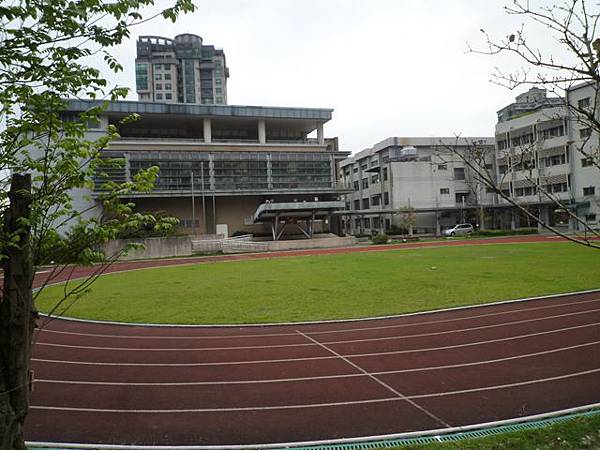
(219, 90)
(158, 76)
(365, 183)
(502, 168)
(355, 186)
(355, 169)
(365, 203)
(590, 217)
(219, 99)
(168, 96)
(583, 103)
(375, 178)
(157, 66)
(461, 197)
(386, 198)
(141, 76)
(587, 162)
(442, 167)
(367, 222)
(376, 200)
(168, 86)
(356, 204)
(590, 190)
(550, 133)
(376, 222)
(357, 223)
(158, 96)
(459, 173)
(218, 81)
(167, 76)
(158, 86)
(585, 133)
(502, 144)
(385, 174)
(556, 160)
(445, 191)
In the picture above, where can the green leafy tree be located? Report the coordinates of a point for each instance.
(45, 154)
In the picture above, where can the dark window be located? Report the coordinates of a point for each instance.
(385, 174)
(461, 197)
(375, 178)
(445, 191)
(386, 198)
(590, 217)
(355, 186)
(365, 203)
(356, 204)
(365, 183)
(590, 190)
(585, 133)
(375, 200)
(583, 103)
(442, 167)
(586, 162)
(459, 173)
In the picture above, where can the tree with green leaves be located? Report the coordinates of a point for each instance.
(46, 154)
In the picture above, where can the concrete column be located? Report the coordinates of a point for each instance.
(262, 131)
(207, 131)
(320, 136)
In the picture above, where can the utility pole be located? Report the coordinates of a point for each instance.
(193, 203)
(203, 201)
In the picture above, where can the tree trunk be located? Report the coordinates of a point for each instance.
(17, 315)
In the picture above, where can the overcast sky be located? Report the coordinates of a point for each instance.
(386, 67)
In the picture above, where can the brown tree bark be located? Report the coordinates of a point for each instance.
(17, 315)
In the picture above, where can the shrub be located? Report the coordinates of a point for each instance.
(380, 239)
(506, 232)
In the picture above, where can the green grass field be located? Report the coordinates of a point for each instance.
(581, 433)
(336, 286)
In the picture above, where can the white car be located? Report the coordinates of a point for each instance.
(461, 229)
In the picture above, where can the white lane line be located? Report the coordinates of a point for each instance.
(238, 336)
(318, 405)
(378, 381)
(509, 385)
(322, 377)
(349, 341)
(315, 358)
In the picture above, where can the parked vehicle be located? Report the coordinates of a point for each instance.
(461, 229)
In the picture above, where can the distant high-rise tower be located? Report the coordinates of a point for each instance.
(180, 70)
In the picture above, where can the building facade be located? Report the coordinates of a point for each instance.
(420, 176)
(539, 163)
(180, 70)
(218, 164)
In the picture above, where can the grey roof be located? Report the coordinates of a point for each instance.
(128, 107)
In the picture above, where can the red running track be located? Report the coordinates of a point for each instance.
(141, 385)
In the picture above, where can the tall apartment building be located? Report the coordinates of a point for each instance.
(537, 145)
(418, 173)
(221, 166)
(180, 70)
